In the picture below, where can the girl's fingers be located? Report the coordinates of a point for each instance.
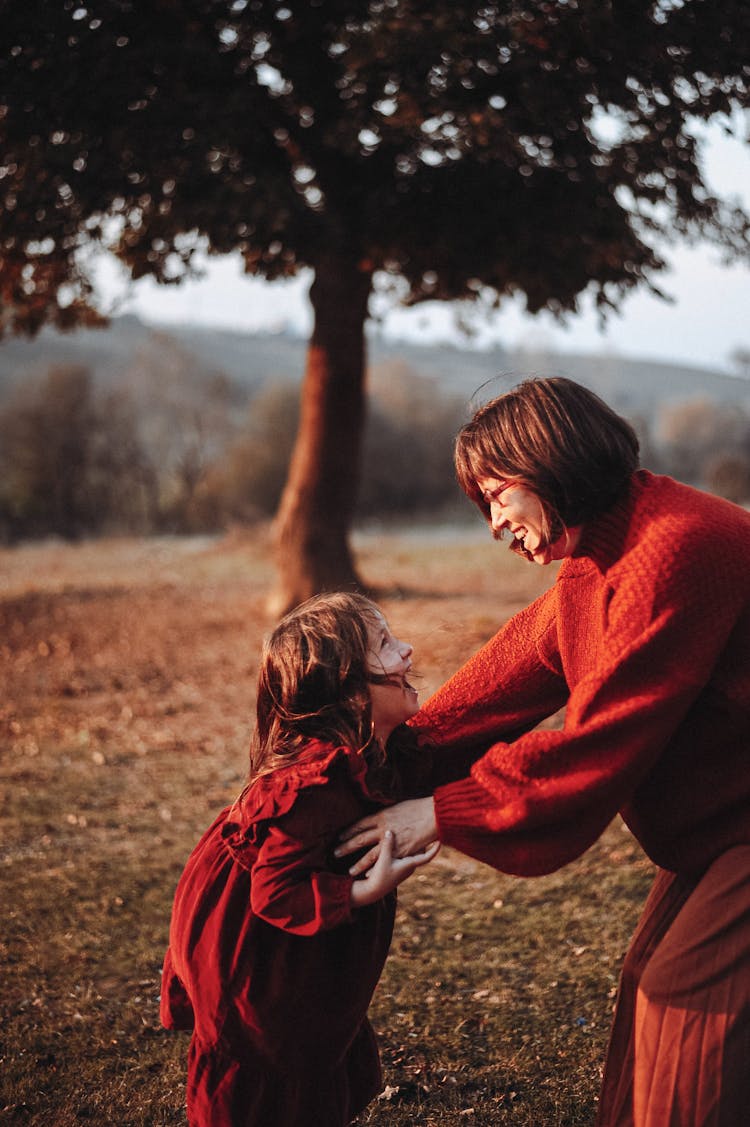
(424, 857)
(388, 843)
(387, 846)
(431, 851)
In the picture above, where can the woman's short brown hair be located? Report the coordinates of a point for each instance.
(558, 439)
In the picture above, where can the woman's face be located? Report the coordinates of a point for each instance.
(514, 508)
(396, 701)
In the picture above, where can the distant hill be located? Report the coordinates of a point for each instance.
(628, 384)
(633, 386)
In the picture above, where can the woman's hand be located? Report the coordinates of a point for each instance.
(388, 872)
(412, 824)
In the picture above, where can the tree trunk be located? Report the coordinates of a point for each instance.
(311, 530)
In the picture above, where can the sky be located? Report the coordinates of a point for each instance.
(707, 320)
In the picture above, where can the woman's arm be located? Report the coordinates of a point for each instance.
(504, 690)
(534, 803)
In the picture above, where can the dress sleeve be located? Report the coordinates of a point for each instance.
(293, 885)
(508, 687)
(532, 805)
(175, 1008)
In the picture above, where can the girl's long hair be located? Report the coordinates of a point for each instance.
(314, 681)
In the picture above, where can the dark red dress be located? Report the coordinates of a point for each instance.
(268, 964)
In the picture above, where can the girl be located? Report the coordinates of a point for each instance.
(275, 950)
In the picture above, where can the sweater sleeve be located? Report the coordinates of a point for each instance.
(509, 686)
(293, 886)
(532, 805)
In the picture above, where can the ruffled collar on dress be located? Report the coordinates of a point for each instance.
(269, 796)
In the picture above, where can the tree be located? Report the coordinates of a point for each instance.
(694, 433)
(445, 150)
(186, 420)
(71, 463)
(255, 467)
(729, 476)
(740, 359)
(407, 455)
(45, 435)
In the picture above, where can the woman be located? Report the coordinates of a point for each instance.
(645, 639)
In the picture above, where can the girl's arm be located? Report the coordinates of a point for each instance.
(388, 871)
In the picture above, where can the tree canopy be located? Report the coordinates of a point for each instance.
(454, 147)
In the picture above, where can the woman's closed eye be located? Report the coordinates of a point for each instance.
(491, 495)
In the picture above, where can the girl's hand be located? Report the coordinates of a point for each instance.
(412, 824)
(388, 872)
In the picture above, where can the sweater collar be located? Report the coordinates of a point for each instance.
(604, 539)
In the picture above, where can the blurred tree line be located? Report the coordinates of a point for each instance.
(185, 450)
(182, 450)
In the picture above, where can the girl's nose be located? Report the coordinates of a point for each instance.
(406, 649)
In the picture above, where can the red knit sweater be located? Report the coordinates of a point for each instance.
(645, 638)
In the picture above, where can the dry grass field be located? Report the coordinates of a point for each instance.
(128, 672)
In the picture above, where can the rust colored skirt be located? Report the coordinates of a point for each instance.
(679, 1052)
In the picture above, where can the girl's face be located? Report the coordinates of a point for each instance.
(516, 509)
(396, 701)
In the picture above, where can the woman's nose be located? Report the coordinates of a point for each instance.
(497, 519)
(406, 649)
